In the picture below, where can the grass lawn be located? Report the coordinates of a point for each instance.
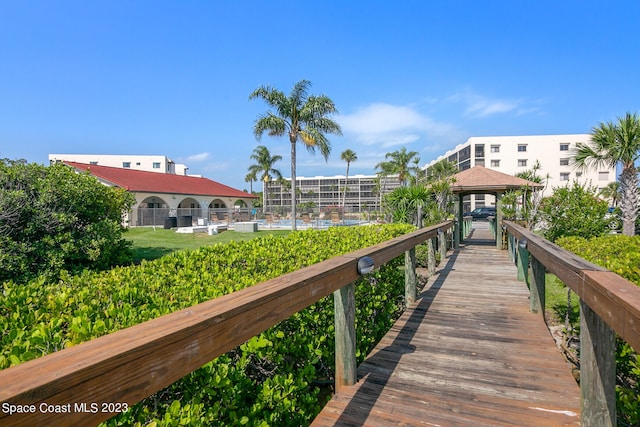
(556, 302)
(151, 244)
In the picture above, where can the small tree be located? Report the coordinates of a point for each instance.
(524, 203)
(573, 211)
(53, 219)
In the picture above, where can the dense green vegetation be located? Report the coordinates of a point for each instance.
(620, 254)
(54, 219)
(574, 210)
(273, 379)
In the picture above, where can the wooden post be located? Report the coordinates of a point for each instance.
(442, 246)
(499, 220)
(410, 278)
(523, 260)
(431, 257)
(597, 370)
(344, 301)
(456, 235)
(510, 246)
(537, 283)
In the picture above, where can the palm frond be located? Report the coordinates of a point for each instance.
(270, 123)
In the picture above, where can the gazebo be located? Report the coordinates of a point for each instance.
(480, 180)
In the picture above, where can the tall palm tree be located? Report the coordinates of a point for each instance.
(264, 168)
(399, 162)
(300, 116)
(613, 144)
(348, 156)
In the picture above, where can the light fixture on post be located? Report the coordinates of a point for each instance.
(366, 265)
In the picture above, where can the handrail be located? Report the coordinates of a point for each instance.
(131, 364)
(608, 303)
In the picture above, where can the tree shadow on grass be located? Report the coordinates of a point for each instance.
(148, 253)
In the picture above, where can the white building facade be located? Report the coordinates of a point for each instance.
(318, 193)
(160, 164)
(514, 154)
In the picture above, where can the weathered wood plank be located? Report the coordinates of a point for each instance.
(468, 353)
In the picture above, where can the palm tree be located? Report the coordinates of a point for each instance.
(399, 163)
(612, 193)
(439, 180)
(386, 169)
(250, 178)
(613, 144)
(348, 156)
(300, 116)
(264, 168)
(441, 170)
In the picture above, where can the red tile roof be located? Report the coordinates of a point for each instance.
(155, 182)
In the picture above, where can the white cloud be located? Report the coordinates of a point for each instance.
(197, 157)
(389, 125)
(478, 106)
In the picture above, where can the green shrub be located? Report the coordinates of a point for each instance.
(573, 211)
(53, 219)
(273, 379)
(620, 254)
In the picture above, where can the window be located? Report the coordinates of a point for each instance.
(479, 150)
(522, 148)
(156, 165)
(495, 163)
(564, 162)
(126, 164)
(522, 162)
(479, 162)
(137, 163)
(495, 148)
(564, 147)
(603, 176)
(564, 176)
(93, 163)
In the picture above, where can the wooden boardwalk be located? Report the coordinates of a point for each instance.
(468, 353)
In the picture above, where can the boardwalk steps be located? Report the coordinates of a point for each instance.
(468, 352)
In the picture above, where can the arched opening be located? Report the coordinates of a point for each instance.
(189, 207)
(152, 211)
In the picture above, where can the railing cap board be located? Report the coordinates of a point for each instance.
(564, 264)
(617, 301)
(613, 298)
(131, 364)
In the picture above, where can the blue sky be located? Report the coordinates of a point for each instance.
(173, 78)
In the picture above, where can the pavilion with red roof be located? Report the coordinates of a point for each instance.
(162, 195)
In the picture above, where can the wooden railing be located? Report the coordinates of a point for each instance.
(609, 304)
(91, 382)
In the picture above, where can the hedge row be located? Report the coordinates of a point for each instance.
(620, 254)
(273, 379)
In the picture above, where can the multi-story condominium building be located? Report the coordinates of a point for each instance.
(320, 192)
(514, 154)
(160, 164)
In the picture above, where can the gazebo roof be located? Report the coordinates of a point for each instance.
(479, 180)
